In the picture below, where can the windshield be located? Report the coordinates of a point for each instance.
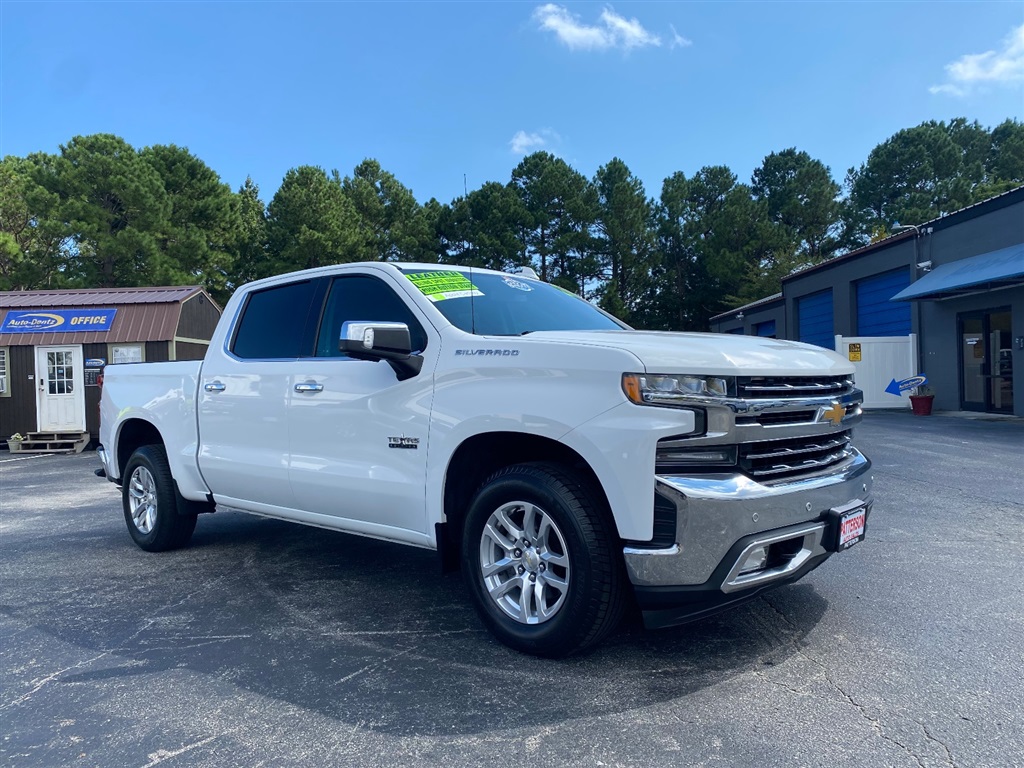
(503, 305)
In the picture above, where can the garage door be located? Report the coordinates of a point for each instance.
(876, 315)
(766, 328)
(814, 318)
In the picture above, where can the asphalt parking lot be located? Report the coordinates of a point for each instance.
(268, 644)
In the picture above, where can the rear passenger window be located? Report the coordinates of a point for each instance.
(360, 298)
(273, 322)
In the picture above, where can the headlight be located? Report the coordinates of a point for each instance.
(674, 389)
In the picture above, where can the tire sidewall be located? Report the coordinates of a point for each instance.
(161, 536)
(568, 626)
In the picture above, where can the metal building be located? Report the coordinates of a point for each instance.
(952, 288)
(54, 345)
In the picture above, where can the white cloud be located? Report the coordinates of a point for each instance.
(524, 143)
(612, 31)
(1002, 67)
(678, 41)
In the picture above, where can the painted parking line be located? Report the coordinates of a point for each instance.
(26, 458)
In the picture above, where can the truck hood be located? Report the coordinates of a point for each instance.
(709, 353)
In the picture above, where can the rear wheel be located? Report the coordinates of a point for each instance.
(150, 502)
(540, 557)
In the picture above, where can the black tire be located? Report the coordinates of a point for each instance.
(592, 602)
(163, 528)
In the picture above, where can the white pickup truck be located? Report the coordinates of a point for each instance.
(565, 462)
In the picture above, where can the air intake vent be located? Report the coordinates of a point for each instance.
(664, 525)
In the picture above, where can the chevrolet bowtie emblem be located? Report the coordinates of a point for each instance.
(833, 413)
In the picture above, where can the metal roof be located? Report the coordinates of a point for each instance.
(994, 203)
(95, 297)
(751, 305)
(143, 314)
(987, 271)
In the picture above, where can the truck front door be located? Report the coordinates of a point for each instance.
(358, 436)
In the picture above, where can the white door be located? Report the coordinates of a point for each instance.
(358, 434)
(60, 389)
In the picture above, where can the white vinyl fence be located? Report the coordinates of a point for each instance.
(882, 359)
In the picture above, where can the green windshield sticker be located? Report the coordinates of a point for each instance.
(438, 285)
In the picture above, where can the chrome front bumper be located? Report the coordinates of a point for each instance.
(715, 512)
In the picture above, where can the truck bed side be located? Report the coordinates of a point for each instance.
(140, 397)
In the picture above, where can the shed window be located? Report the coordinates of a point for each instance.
(127, 353)
(4, 372)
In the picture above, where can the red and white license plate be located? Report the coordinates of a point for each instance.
(851, 528)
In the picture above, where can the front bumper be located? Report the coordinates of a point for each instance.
(720, 518)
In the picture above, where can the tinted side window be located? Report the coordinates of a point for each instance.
(273, 322)
(362, 298)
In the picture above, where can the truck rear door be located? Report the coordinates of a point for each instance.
(244, 394)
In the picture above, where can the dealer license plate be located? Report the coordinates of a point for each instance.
(851, 528)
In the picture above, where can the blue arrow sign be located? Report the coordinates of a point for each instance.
(899, 387)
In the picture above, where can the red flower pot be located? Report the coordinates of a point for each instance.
(921, 405)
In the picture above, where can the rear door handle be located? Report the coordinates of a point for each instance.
(309, 386)
(215, 386)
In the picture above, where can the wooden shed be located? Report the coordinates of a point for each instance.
(54, 344)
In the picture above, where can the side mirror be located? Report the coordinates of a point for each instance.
(381, 341)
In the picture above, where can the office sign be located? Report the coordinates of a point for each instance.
(58, 320)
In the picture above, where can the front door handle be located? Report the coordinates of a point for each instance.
(215, 386)
(309, 386)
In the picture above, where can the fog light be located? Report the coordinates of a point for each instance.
(756, 560)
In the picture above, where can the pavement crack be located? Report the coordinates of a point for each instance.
(43, 682)
(374, 665)
(40, 683)
(875, 723)
(155, 758)
(940, 742)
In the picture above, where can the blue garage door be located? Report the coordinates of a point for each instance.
(814, 318)
(766, 328)
(876, 315)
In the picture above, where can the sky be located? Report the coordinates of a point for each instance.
(447, 93)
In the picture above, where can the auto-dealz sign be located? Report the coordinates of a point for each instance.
(58, 321)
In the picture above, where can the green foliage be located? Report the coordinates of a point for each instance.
(250, 247)
(311, 223)
(802, 198)
(483, 228)
(713, 237)
(561, 207)
(932, 169)
(114, 209)
(390, 221)
(30, 238)
(625, 244)
(198, 239)
(102, 214)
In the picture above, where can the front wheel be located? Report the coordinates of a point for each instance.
(150, 502)
(541, 561)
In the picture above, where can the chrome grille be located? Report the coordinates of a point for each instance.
(791, 459)
(774, 387)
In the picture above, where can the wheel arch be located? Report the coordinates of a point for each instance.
(479, 456)
(132, 435)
